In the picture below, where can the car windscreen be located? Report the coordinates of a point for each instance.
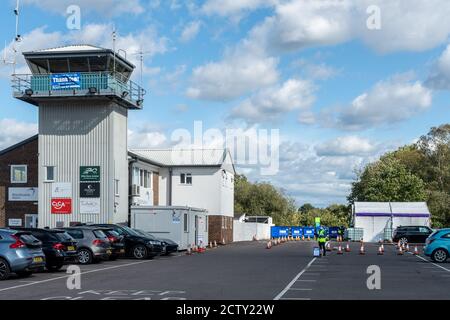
(131, 231)
(63, 236)
(99, 234)
(29, 239)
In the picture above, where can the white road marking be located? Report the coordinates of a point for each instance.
(434, 264)
(302, 280)
(300, 289)
(68, 275)
(295, 299)
(283, 292)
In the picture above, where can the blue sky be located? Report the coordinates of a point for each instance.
(340, 93)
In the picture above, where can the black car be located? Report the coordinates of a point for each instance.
(117, 243)
(169, 245)
(58, 246)
(411, 234)
(136, 245)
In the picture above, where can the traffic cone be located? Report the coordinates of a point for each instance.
(416, 251)
(303, 238)
(340, 250)
(328, 247)
(223, 241)
(380, 251)
(347, 248)
(309, 238)
(189, 251)
(382, 247)
(269, 245)
(399, 245)
(400, 251)
(210, 245)
(194, 248)
(215, 244)
(407, 247)
(362, 251)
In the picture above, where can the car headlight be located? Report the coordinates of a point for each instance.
(152, 242)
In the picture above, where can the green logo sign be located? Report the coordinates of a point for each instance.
(317, 221)
(90, 173)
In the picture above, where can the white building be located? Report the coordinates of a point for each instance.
(378, 218)
(196, 178)
(246, 228)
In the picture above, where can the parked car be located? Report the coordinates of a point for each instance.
(20, 253)
(411, 234)
(137, 245)
(58, 246)
(169, 245)
(437, 246)
(117, 243)
(93, 244)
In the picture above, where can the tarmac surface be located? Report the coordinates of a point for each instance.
(247, 271)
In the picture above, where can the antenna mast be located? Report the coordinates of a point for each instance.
(17, 38)
(114, 48)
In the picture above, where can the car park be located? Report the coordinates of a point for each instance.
(411, 234)
(93, 244)
(137, 245)
(437, 246)
(20, 253)
(58, 246)
(170, 246)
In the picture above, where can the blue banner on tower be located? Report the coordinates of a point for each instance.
(62, 81)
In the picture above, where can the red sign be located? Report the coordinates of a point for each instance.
(61, 206)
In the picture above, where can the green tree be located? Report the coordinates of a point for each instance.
(387, 180)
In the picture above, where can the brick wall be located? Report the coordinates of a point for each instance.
(220, 228)
(24, 154)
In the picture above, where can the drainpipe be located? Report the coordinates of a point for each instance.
(169, 200)
(130, 186)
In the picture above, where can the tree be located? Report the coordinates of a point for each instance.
(387, 180)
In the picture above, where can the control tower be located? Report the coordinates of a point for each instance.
(83, 94)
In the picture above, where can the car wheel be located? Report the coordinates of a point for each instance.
(403, 241)
(85, 256)
(4, 269)
(24, 274)
(439, 255)
(140, 252)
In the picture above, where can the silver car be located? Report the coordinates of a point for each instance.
(20, 253)
(93, 244)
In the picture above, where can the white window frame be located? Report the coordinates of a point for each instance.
(12, 175)
(186, 176)
(46, 174)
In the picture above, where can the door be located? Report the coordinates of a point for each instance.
(424, 232)
(196, 230)
(31, 221)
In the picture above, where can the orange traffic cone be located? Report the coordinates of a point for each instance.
(215, 244)
(194, 248)
(303, 238)
(269, 245)
(347, 248)
(309, 238)
(189, 251)
(416, 251)
(362, 251)
(382, 247)
(340, 250)
(210, 245)
(407, 247)
(223, 241)
(380, 251)
(400, 251)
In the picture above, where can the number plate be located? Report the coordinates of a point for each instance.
(71, 248)
(108, 251)
(38, 259)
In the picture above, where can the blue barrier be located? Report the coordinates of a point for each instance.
(333, 232)
(309, 231)
(279, 232)
(296, 232)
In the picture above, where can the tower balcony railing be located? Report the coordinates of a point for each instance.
(32, 87)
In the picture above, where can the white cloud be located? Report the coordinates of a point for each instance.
(411, 25)
(13, 131)
(104, 7)
(190, 31)
(146, 137)
(317, 71)
(440, 76)
(233, 7)
(271, 103)
(346, 146)
(396, 99)
(241, 71)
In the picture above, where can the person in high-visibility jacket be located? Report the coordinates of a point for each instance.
(322, 239)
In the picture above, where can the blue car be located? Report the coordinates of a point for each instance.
(437, 245)
(20, 253)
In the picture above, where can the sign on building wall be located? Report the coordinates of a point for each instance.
(90, 206)
(22, 194)
(62, 190)
(176, 217)
(62, 81)
(14, 222)
(61, 206)
(90, 173)
(90, 190)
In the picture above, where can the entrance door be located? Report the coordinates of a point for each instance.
(31, 221)
(196, 230)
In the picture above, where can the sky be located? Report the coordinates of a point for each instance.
(341, 81)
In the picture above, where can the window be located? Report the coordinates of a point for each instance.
(141, 173)
(424, 230)
(49, 174)
(116, 187)
(186, 178)
(446, 236)
(18, 174)
(186, 223)
(76, 234)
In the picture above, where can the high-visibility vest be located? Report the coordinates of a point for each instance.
(322, 238)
